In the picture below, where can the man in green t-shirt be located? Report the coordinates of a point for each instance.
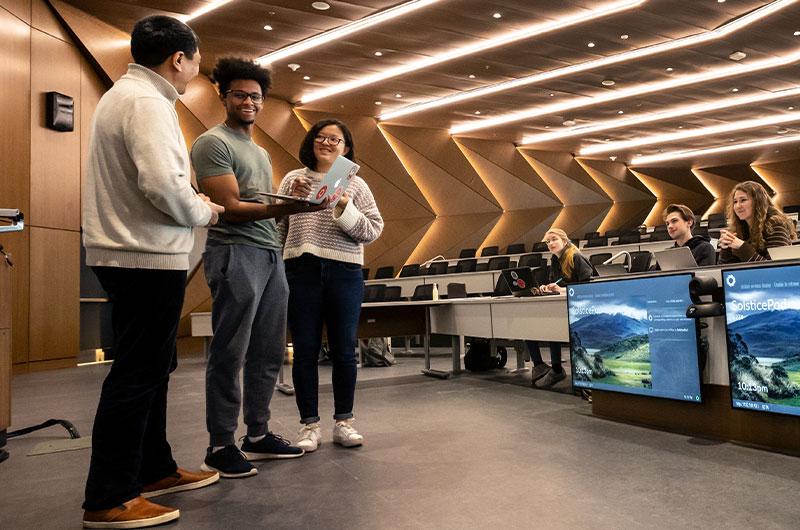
(244, 269)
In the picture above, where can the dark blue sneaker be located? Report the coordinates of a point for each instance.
(229, 462)
(270, 447)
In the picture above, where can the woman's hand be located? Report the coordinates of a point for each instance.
(301, 187)
(728, 239)
(553, 288)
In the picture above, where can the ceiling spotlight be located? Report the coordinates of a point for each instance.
(546, 126)
(477, 113)
(307, 77)
(497, 15)
(606, 139)
(268, 27)
(796, 34)
(782, 131)
(471, 76)
(398, 95)
(670, 69)
(568, 123)
(612, 158)
(624, 36)
(734, 89)
(680, 126)
(378, 54)
(720, 1)
(293, 67)
(321, 6)
(551, 94)
(608, 82)
(737, 56)
(789, 108)
(590, 44)
(620, 112)
(378, 103)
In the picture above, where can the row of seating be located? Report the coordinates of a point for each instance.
(391, 293)
(464, 265)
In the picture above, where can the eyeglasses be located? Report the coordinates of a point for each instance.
(255, 97)
(551, 240)
(332, 140)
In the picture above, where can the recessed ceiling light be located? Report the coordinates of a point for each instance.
(796, 34)
(378, 103)
(268, 27)
(680, 126)
(552, 95)
(321, 6)
(782, 131)
(608, 82)
(471, 76)
(307, 77)
(398, 95)
(789, 108)
(497, 15)
(720, 1)
(734, 89)
(568, 123)
(620, 112)
(670, 69)
(293, 67)
(737, 56)
(378, 54)
(590, 44)
(612, 158)
(546, 126)
(624, 36)
(477, 113)
(211, 6)
(606, 139)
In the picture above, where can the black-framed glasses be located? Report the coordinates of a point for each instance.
(240, 95)
(332, 140)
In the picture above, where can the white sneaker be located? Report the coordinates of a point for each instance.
(309, 438)
(345, 435)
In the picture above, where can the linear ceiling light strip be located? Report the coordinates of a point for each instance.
(676, 155)
(694, 133)
(457, 53)
(345, 30)
(689, 110)
(693, 40)
(211, 6)
(711, 75)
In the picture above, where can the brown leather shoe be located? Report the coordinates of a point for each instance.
(136, 513)
(181, 480)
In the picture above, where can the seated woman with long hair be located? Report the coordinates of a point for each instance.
(754, 225)
(567, 265)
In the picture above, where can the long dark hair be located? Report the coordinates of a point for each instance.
(307, 147)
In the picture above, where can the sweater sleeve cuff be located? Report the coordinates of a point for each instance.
(745, 252)
(349, 217)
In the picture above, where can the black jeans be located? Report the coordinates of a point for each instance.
(536, 354)
(329, 292)
(129, 437)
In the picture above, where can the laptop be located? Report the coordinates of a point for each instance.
(522, 280)
(789, 252)
(674, 259)
(332, 185)
(611, 269)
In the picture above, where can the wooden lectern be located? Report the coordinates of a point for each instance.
(5, 349)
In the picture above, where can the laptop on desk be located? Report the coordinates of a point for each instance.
(522, 281)
(611, 269)
(674, 259)
(789, 252)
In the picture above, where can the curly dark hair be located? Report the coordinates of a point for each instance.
(229, 69)
(307, 156)
(156, 38)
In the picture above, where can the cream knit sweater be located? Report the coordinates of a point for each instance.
(326, 235)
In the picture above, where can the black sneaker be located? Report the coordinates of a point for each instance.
(229, 462)
(270, 447)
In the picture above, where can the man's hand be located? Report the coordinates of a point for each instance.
(216, 210)
(301, 187)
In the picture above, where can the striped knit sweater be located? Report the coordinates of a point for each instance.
(776, 234)
(332, 234)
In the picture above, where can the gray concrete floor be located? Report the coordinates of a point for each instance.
(469, 452)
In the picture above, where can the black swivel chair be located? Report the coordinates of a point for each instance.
(598, 259)
(437, 267)
(423, 292)
(640, 261)
(375, 293)
(516, 248)
(467, 253)
(498, 263)
(597, 242)
(660, 235)
(721, 222)
(531, 260)
(490, 251)
(393, 293)
(613, 233)
(627, 239)
(466, 265)
(700, 231)
(409, 270)
(541, 246)
(456, 290)
(384, 272)
(591, 235)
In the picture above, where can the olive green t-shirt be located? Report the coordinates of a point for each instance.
(223, 151)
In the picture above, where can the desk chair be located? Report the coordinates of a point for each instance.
(531, 260)
(640, 261)
(409, 270)
(375, 293)
(423, 292)
(499, 263)
(384, 272)
(541, 246)
(456, 290)
(516, 248)
(598, 259)
(437, 267)
(393, 293)
(467, 253)
(597, 242)
(466, 265)
(490, 251)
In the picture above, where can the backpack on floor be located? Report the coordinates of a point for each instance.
(480, 357)
(375, 352)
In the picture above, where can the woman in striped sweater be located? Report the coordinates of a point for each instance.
(323, 254)
(754, 225)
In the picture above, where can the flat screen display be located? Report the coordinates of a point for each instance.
(632, 336)
(762, 311)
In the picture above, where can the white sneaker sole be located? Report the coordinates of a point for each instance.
(255, 457)
(184, 487)
(223, 474)
(138, 523)
(349, 443)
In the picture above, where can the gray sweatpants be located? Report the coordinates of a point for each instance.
(248, 316)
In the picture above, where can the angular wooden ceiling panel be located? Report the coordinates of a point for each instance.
(577, 220)
(522, 226)
(668, 193)
(449, 234)
(570, 191)
(397, 243)
(784, 178)
(719, 186)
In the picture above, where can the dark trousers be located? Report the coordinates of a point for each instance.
(536, 353)
(129, 437)
(329, 292)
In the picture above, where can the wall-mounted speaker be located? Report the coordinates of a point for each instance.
(60, 112)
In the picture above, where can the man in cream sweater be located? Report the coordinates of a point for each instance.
(138, 212)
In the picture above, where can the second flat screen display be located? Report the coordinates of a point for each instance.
(632, 336)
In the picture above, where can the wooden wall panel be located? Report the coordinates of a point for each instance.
(631, 200)
(784, 178)
(719, 187)
(43, 19)
(450, 233)
(522, 226)
(19, 8)
(55, 156)
(677, 192)
(18, 245)
(54, 294)
(396, 244)
(15, 111)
